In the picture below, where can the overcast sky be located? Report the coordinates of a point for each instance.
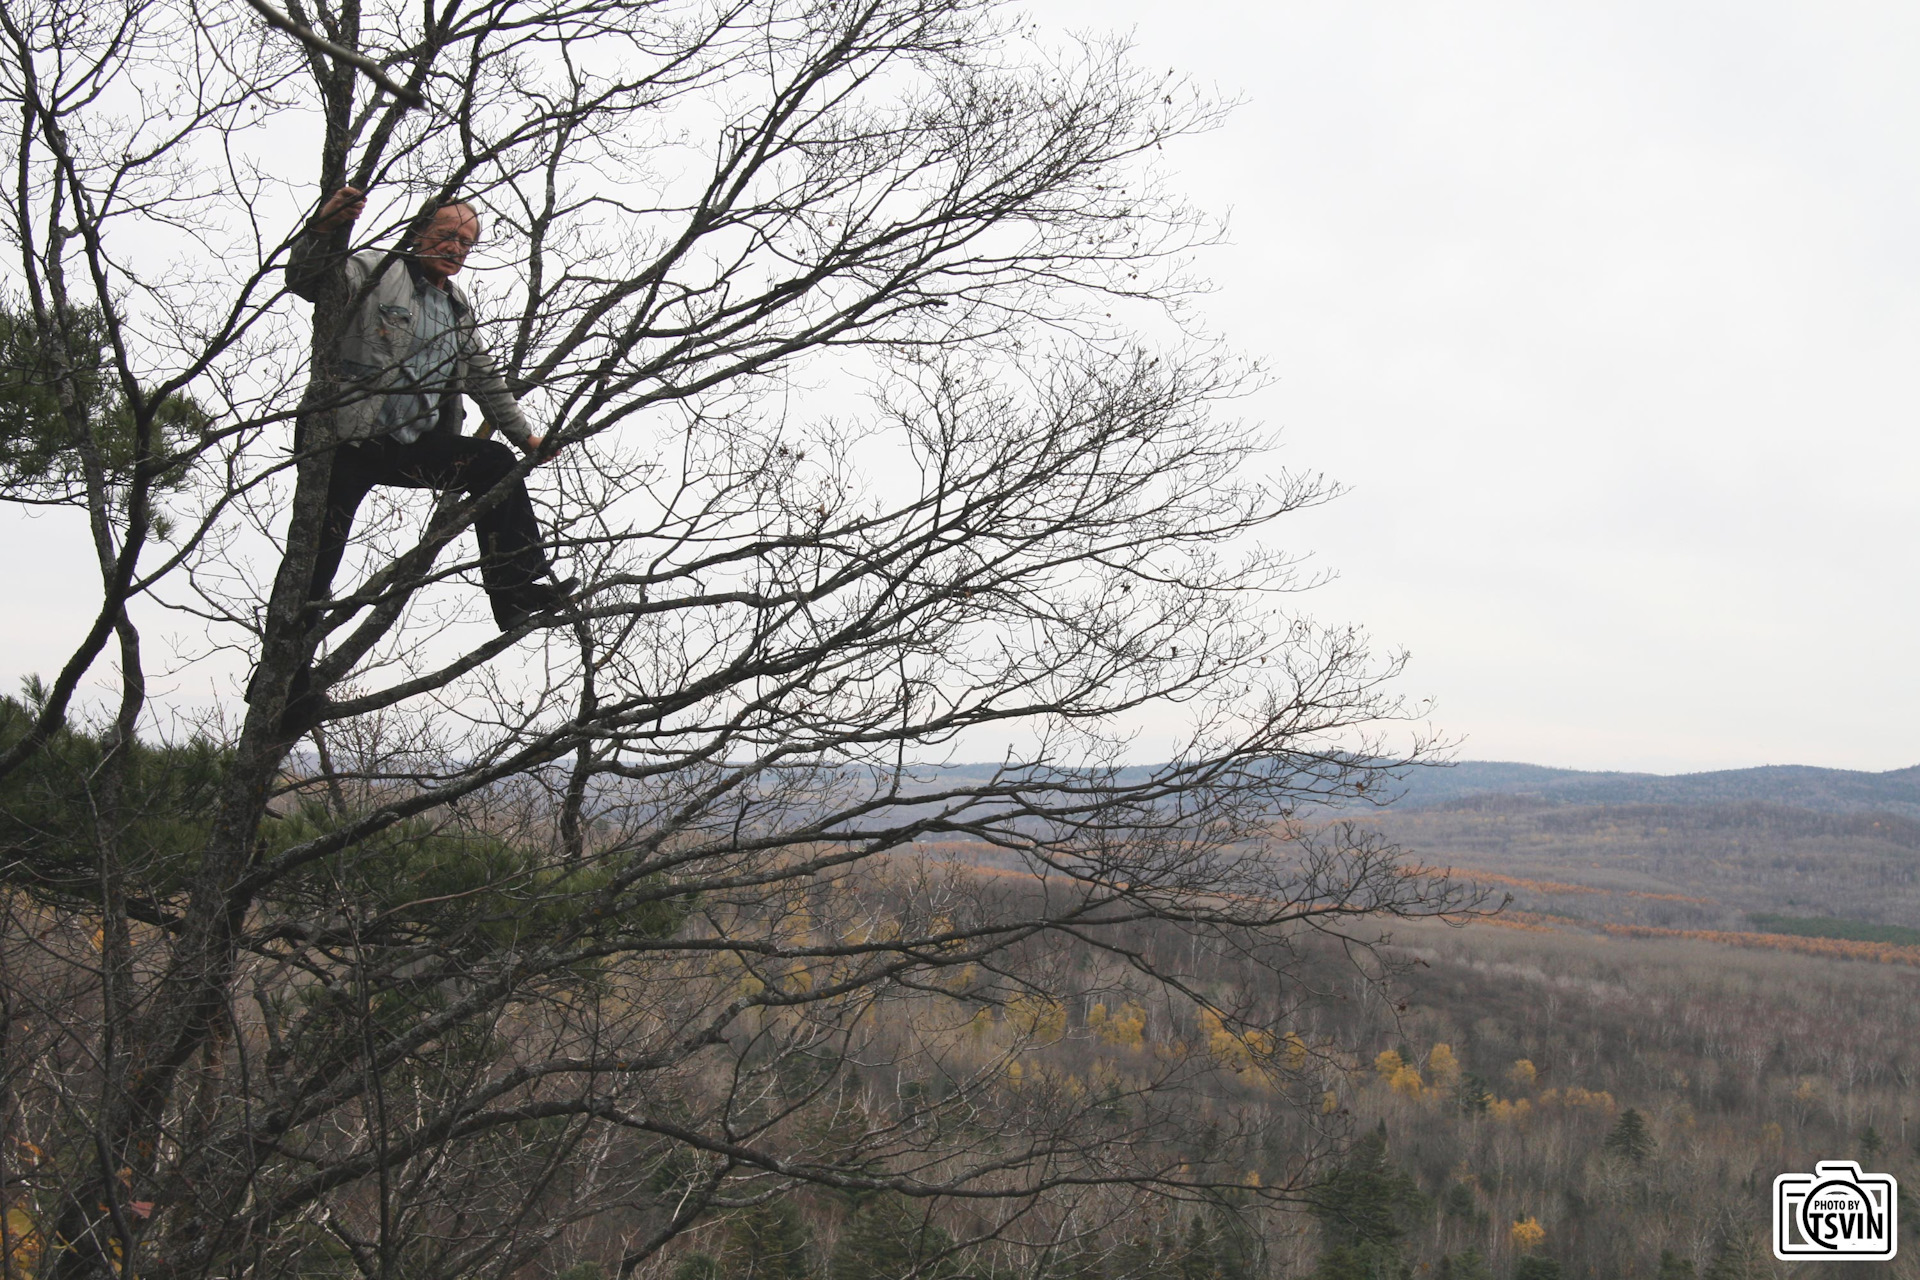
(1606, 313)
(1607, 316)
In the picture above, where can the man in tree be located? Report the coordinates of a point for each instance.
(407, 353)
(532, 1058)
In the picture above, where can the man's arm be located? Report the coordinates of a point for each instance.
(496, 401)
(322, 243)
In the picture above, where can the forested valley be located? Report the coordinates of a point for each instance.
(1511, 1091)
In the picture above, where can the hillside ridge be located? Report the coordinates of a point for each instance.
(1801, 786)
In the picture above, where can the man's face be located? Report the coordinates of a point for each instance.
(443, 246)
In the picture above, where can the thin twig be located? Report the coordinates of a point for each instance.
(313, 39)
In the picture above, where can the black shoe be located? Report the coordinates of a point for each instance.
(533, 601)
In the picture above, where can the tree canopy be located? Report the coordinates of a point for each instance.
(890, 449)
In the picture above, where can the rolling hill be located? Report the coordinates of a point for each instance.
(1896, 791)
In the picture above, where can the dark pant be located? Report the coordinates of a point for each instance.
(510, 552)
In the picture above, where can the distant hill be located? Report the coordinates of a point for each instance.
(1801, 786)
(1788, 849)
(1473, 783)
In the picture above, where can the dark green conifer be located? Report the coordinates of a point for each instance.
(1465, 1265)
(768, 1242)
(1674, 1267)
(1079, 1261)
(1630, 1139)
(1460, 1202)
(886, 1238)
(1197, 1258)
(1735, 1258)
(1364, 1208)
(1471, 1095)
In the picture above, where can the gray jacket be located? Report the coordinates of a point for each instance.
(379, 336)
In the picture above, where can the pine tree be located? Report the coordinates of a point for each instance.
(1141, 1254)
(1674, 1267)
(1237, 1247)
(886, 1238)
(1198, 1259)
(1465, 1265)
(1630, 1139)
(1459, 1202)
(1362, 1207)
(1536, 1268)
(767, 1242)
(1472, 1096)
(1080, 1261)
(1735, 1258)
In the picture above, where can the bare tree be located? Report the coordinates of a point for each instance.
(594, 930)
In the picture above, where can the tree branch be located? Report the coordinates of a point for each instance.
(314, 40)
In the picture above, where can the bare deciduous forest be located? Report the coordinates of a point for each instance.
(1705, 866)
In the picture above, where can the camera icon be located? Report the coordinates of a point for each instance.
(1836, 1212)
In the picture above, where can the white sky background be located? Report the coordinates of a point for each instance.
(1607, 316)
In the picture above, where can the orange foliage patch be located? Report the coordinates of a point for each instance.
(1507, 920)
(1839, 948)
(1494, 877)
(1832, 948)
(1556, 886)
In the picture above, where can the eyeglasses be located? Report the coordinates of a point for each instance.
(445, 237)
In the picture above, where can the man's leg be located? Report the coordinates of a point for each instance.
(357, 468)
(512, 562)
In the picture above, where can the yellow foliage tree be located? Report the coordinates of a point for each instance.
(1388, 1063)
(1526, 1233)
(1443, 1066)
(1407, 1081)
(1574, 1096)
(1502, 1109)
(1230, 1049)
(1522, 1072)
(23, 1245)
(1037, 1016)
(1295, 1053)
(1125, 1028)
